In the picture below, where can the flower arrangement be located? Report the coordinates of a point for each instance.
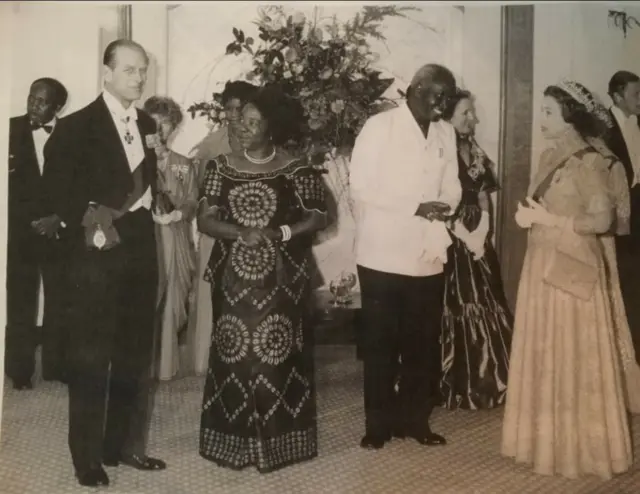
(325, 64)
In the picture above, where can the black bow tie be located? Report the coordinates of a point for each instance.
(47, 128)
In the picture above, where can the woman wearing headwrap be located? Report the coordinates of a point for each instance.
(565, 411)
(263, 207)
(220, 142)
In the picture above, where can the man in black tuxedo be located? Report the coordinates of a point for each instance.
(35, 248)
(624, 141)
(101, 180)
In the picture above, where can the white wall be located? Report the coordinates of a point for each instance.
(6, 54)
(577, 41)
(154, 37)
(64, 41)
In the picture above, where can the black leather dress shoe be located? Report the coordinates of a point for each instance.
(93, 477)
(427, 437)
(143, 462)
(110, 461)
(22, 385)
(374, 441)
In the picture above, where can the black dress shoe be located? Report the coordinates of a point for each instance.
(60, 377)
(21, 385)
(428, 438)
(110, 461)
(93, 477)
(398, 432)
(143, 462)
(374, 441)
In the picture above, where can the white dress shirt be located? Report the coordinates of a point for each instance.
(631, 135)
(393, 170)
(40, 138)
(125, 120)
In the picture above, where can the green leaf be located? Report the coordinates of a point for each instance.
(249, 41)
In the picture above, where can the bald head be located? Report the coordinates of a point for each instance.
(431, 87)
(432, 72)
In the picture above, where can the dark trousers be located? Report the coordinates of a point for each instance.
(628, 254)
(114, 297)
(401, 319)
(25, 265)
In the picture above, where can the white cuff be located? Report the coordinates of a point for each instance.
(483, 227)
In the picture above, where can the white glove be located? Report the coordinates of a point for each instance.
(523, 217)
(541, 216)
(474, 241)
(166, 219)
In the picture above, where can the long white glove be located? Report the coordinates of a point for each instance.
(475, 241)
(523, 216)
(536, 213)
(166, 219)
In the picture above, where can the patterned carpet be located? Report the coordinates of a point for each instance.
(34, 456)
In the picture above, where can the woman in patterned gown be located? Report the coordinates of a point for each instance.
(477, 322)
(263, 208)
(175, 209)
(565, 410)
(222, 141)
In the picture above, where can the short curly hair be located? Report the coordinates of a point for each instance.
(284, 114)
(164, 107)
(452, 102)
(576, 113)
(238, 90)
(59, 91)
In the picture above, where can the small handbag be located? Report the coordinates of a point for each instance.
(572, 269)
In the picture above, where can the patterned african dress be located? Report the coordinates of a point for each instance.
(259, 407)
(477, 322)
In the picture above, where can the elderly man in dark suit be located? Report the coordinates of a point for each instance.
(101, 180)
(35, 250)
(624, 141)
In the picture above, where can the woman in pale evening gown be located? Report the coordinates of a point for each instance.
(222, 141)
(263, 207)
(174, 209)
(620, 190)
(477, 322)
(565, 410)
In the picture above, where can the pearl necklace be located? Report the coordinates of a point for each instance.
(260, 161)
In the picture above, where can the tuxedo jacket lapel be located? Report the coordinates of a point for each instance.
(618, 145)
(105, 134)
(27, 149)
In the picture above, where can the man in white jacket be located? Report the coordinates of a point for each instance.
(404, 183)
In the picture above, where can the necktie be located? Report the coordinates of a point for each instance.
(128, 137)
(47, 128)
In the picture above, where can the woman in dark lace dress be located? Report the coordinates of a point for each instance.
(477, 323)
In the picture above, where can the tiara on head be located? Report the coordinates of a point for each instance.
(586, 98)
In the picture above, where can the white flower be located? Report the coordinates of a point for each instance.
(297, 68)
(298, 18)
(326, 74)
(316, 34)
(290, 54)
(363, 49)
(287, 74)
(337, 106)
